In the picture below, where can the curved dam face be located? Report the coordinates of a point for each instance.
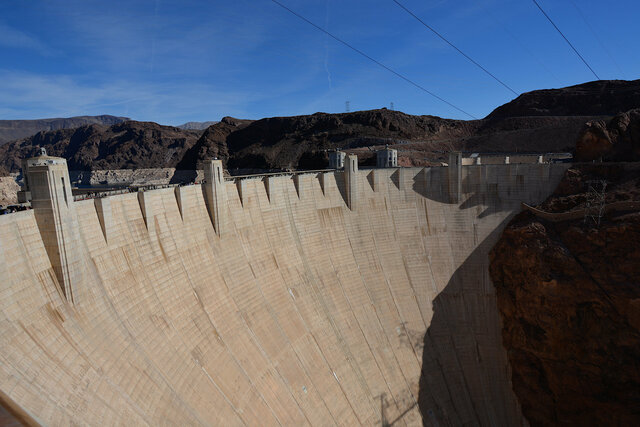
(293, 310)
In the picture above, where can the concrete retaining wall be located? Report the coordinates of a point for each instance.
(299, 311)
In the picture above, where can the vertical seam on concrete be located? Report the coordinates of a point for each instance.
(309, 331)
(323, 305)
(391, 293)
(275, 319)
(391, 288)
(358, 322)
(226, 349)
(170, 321)
(134, 342)
(138, 346)
(364, 336)
(103, 377)
(384, 334)
(257, 341)
(393, 296)
(455, 355)
(395, 229)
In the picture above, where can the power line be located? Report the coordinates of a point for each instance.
(595, 34)
(523, 47)
(373, 60)
(566, 39)
(454, 46)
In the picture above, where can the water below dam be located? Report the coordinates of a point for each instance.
(317, 299)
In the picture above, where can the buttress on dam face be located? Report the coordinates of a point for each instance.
(355, 297)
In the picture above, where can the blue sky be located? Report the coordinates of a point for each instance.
(177, 61)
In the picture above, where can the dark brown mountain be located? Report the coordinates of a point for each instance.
(212, 143)
(302, 141)
(538, 121)
(127, 145)
(295, 142)
(598, 98)
(11, 130)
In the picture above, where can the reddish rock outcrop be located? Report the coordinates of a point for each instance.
(594, 142)
(617, 140)
(569, 297)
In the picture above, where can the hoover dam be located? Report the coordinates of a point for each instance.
(355, 297)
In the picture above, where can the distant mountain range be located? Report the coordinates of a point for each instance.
(537, 121)
(196, 125)
(126, 145)
(11, 130)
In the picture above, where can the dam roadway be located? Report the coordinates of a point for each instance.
(336, 298)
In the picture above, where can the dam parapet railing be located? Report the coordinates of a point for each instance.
(467, 159)
(47, 180)
(470, 159)
(121, 186)
(96, 193)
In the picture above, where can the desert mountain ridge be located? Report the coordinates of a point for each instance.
(11, 130)
(196, 125)
(537, 121)
(596, 98)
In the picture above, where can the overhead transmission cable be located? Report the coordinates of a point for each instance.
(380, 64)
(595, 35)
(566, 39)
(522, 45)
(454, 46)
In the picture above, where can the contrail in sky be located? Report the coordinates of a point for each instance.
(326, 45)
(153, 39)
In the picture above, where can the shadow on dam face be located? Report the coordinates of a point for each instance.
(295, 310)
(462, 343)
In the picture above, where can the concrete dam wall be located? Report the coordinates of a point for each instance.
(356, 297)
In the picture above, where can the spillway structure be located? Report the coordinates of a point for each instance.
(354, 297)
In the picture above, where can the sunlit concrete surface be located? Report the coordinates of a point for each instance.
(296, 309)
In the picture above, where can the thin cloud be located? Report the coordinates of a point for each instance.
(37, 96)
(16, 39)
(30, 95)
(326, 45)
(158, 42)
